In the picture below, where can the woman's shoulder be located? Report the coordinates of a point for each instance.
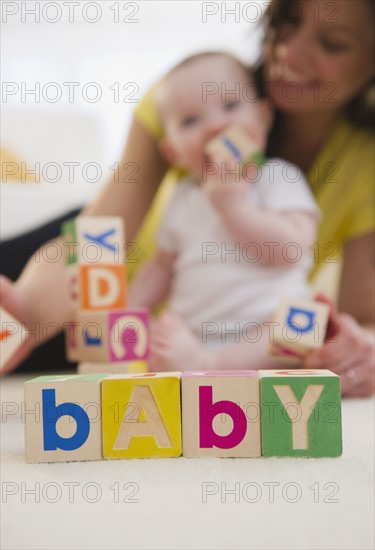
(146, 113)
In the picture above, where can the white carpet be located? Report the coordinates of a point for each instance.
(169, 509)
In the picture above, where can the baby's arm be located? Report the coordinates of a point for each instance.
(152, 283)
(271, 228)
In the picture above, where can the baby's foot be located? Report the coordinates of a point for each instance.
(175, 348)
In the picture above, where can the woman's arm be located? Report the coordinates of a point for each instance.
(132, 195)
(357, 289)
(350, 352)
(37, 298)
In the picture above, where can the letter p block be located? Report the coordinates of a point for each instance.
(141, 415)
(221, 414)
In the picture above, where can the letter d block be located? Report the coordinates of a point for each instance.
(301, 326)
(141, 415)
(95, 287)
(63, 418)
(221, 414)
(301, 413)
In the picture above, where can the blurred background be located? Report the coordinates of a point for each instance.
(72, 74)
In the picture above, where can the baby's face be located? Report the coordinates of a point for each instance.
(200, 100)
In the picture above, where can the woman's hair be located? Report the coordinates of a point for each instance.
(360, 109)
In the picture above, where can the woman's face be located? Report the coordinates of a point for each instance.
(321, 60)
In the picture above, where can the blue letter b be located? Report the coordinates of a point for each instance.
(52, 440)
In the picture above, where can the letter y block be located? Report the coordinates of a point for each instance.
(301, 413)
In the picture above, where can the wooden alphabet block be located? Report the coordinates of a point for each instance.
(141, 415)
(12, 335)
(299, 327)
(221, 414)
(301, 413)
(94, 240)
(96, 287)
(234, 142)
(112, 336)
(63, 418)
(123, 367)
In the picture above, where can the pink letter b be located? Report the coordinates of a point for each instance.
(207, 412)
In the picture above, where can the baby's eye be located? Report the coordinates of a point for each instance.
(231, 105)
(189, 120)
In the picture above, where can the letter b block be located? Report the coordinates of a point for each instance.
(141, 415)
(221, 414)
(63, 418)
(301, 413)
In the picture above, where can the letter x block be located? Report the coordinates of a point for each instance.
(110, 336)
(93, 240)
(301, 413)
(300, 327)
(63, 418)
(234, 142)
(221, 414)
(12, 333)
(141, 415)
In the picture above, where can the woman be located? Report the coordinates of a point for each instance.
(318, 72)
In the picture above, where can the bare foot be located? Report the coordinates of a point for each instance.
(175, 348)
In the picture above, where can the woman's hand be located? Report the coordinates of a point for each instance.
(349, 351)
(12, 300)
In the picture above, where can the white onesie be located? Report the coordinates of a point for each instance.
(219, 284)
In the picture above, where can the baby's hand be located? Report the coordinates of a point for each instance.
(226, 182)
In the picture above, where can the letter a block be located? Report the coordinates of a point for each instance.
(301, 413)
(301, 327)
(124, 367)
(221, 414)
(112, 336)
(12, 333)
(141, 415)
(63, 418)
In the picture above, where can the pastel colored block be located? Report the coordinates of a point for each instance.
(233, 142)
(300, 327)
(301, 413)
(141, 415)
(112, 336)
(95, 287)
(12, 335)
(221, 414)
(73, 351)
(63, 418)
(124, 367)
(93, 240)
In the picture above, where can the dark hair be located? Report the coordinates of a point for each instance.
(360, 109)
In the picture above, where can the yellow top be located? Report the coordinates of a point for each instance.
(341, 178)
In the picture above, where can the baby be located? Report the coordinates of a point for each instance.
(235, 237)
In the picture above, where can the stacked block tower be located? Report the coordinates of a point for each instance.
(103, 335)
